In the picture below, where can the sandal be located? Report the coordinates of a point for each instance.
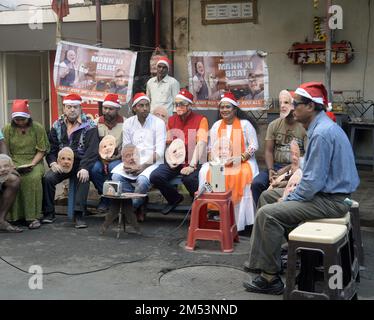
(7, 227)
(34, 224)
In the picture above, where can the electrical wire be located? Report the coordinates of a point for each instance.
(108, 267)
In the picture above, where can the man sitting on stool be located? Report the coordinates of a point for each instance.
(329, 176)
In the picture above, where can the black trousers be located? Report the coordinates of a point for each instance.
(51, 179)
(161, 177)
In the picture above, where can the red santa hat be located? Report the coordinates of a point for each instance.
(20, 108)
(184, 94)
(331, 115)
(229, 97)
(111, 100)
(165, 61)
(314, 91)
(139, 96)
(72, 99)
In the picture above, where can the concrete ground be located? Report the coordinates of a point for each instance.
(153, 265)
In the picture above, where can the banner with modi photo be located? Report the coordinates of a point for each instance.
(93, 72)
(244, 73)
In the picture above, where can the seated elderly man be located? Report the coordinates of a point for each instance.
(9, 185)
(147, 133)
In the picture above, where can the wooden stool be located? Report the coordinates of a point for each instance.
(201, 228)
(330, 240)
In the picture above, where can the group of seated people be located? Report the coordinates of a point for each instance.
(150, 149)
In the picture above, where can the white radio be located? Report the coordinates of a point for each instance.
(217, 171)
(112, 188)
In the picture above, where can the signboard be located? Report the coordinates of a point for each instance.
(244, 73)
(229, 11)
(93, 72)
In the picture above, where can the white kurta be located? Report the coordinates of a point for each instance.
(245, 209)
(148, 138)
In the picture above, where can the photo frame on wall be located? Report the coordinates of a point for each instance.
(228, 11)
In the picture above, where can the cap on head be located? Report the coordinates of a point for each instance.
(139, 96)
(111, 100)
(165, 61)
(21, 108)
(229, 97)
(314, 91)
(185, 95)
(72, 99)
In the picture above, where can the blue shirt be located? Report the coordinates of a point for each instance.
(329, 162)
(1, 135)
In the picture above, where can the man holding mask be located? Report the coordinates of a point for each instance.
(73, 129)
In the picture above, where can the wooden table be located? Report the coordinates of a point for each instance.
(123, 196)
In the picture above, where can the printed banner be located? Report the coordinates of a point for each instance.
(93, 72)
(244, 73)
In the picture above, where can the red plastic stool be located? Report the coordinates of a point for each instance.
(201, 228)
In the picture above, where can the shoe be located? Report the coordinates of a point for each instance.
(140, 214)
(102, 207)
(35, 224)
(248, 269)
(49, 218)
(79, 222)
(170, 207)
(261, 285)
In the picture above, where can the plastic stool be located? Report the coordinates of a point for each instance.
(201, 228)
(346, 221)
(330, 240)
(355, 220)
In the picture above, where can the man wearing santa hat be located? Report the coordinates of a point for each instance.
(75, 130)
(147, 133)
(162, 88)
(181, 125)
(329, 177)
(110, 123)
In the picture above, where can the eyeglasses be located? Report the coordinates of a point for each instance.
(296, 103)
(181, 104)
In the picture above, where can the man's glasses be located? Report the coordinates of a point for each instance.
(296, 103)
(181, 104)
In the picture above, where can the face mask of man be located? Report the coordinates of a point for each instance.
(6, 167)
(107, 147)
(65, 159)
(285, 104)
(176, 153)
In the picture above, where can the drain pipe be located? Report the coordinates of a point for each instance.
(157, 22)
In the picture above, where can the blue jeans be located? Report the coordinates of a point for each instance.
(140, 185)
(98, 176)
(261, 182)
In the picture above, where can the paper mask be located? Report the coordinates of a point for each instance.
(175, 154)
(222, 150)
(65, 159)
(107, 147)
(285, 104)
(6, 167)
(130, 156)
(162, 113)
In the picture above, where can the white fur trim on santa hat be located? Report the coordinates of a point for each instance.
(304, 93)
(140, 98)
(111, 104)
(164, 62)
(21, 114)
(225, 99)
(181, 96)
(72, 102)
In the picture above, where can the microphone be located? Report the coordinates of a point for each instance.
(206, 187)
